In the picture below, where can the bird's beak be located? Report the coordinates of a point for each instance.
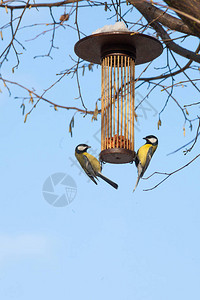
(88, 147)
(145, 138)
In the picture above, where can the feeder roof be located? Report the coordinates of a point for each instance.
(146, 47)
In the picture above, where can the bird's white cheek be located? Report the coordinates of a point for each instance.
(152, 140)
(81, 148)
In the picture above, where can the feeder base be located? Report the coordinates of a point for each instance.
(117, 156)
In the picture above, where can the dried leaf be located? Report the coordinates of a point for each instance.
(25, 118)
(4, 84)
(159, 123)
(70, 129)
(29, 6)
(1, 34)
(6, 8)
(72, 122)
(83, 71)
(64, 18)
(0, 91)
(13, 70)
(184, 131)
(71, 125)
(106, 6)
(90, 66)
(96, 111)
(136, 117)
(23, 108)
(31, 97)
(187, 113)
(55, 107)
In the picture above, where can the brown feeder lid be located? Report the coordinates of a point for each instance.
(145, 48)
(117, 156)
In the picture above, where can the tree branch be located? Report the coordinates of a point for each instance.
(171, 74)
(165, 36)
(186, 10)
(54, 4)
(91, 112)
(195, 140)
(173, 46)
(162, 17)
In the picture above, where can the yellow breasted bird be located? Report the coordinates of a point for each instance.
(91, 165)
(144, 155)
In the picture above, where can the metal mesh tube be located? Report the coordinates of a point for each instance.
(117, 102)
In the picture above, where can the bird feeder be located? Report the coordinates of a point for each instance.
(118, 52)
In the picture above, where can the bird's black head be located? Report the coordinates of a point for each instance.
(81, 148)
(151, 139)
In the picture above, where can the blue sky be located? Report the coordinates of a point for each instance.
(106, 244)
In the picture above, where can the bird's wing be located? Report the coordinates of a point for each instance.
(148, 158)
(89, 169)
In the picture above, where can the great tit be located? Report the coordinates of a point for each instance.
(144, 155)
(91, 165)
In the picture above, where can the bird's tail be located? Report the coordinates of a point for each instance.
(138, 179)
(113, 184)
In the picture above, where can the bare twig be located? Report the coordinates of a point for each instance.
(197, 135)
(91, 112)
(7, 49)
(185, 74)
(37, 5)
(168, 174)
(181, 83)
(196, 103)
(173, 73)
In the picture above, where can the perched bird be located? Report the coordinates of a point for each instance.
(144, 156)
(91, 165)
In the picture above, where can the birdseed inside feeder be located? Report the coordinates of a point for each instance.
(118, 52)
